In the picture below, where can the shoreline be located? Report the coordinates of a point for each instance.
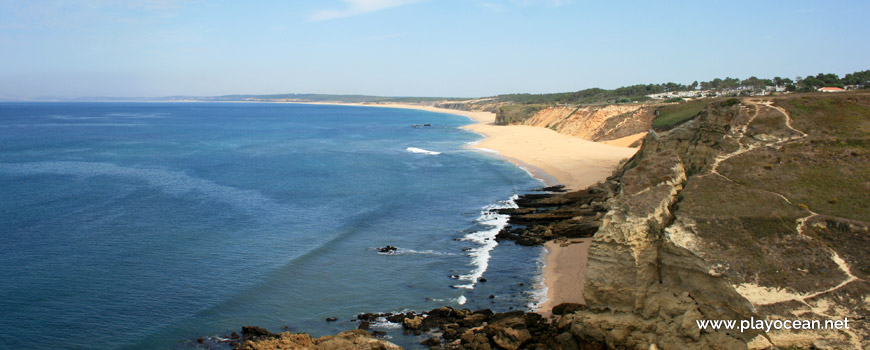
(552, 158)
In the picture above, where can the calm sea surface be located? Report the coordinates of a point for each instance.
(148, 225)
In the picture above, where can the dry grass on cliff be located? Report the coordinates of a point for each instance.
(828, 171)
(672, 115)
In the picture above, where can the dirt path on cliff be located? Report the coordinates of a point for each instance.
(759, 295)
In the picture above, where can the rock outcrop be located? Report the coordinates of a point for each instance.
(256, 338)
(539, 218)
(707, 226)
(451, 328)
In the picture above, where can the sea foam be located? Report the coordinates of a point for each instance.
(421, 151)
(486, 240)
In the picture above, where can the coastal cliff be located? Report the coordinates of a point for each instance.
(592, 123)
(752, 209)
(596, 123)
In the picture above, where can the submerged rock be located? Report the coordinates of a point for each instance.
(387, 249)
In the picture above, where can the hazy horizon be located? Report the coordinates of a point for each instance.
(459, 48)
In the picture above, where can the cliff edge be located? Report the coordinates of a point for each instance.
(753, 209)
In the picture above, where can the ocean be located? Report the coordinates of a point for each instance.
(150, 225)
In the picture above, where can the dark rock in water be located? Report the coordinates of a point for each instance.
(567, 308)
(467, 249)
(556, 188)
(387, 249)
(331, 319)
(364, 325)
(254, 332)
(456, 277)
(481, 279)
(379, 334)
(543, 217)
(398, 318)
(234, 335)
(522, 284)
(492, 296)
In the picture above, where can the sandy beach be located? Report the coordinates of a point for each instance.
(564, 273)
(554, 158)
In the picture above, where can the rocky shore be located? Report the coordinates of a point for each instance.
(446, 327)
(256, 338)
(539, 218)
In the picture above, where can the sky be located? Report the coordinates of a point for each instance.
(444, 48)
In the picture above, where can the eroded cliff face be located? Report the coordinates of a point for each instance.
(596, 123)
(726, 217)
(593, 123)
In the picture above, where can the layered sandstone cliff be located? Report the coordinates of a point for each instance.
(747, 211)
(596, 123)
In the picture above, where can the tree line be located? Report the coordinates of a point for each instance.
(639, 92)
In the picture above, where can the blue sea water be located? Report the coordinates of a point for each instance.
(149, 225)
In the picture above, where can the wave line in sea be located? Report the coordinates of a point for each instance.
(421, 151)
(486, 240)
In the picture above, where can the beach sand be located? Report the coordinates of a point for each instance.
(564, 272)
(554, 158)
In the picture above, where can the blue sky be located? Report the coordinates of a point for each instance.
(464, 48)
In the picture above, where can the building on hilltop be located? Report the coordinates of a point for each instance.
(831, 89)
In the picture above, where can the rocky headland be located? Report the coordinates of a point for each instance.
(751, 209)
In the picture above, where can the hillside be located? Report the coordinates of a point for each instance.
(752, 209)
